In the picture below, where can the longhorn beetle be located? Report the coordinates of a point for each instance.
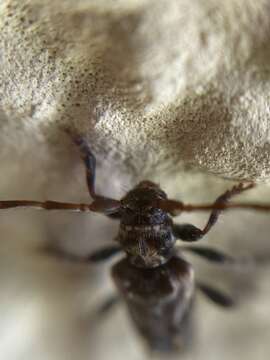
(153, 278)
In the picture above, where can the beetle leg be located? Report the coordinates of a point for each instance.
(89, 162)
(103, 254)
(107, 306)
(98, 314)
(216, 296)
(175, 208)
(223, 199)
(100, 255)
(210, 254)
(101, 204)
(188, 232)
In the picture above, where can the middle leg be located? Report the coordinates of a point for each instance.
(210, 254)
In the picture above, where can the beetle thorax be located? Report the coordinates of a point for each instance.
(145, 231)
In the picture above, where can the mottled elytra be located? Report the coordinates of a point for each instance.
(155, 281)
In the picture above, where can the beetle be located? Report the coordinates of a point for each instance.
(153, 278)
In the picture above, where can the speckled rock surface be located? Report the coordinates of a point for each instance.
(154, 82)
(173, 91)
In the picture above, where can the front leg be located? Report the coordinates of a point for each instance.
(101, 204)
(189, 232)
(89, 162)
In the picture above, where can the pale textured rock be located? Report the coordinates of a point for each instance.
(177, 85)
(156, 82)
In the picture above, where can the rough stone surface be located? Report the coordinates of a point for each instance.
(174, 91)
(154, 82)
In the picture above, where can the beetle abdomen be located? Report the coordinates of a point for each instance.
(159, 301)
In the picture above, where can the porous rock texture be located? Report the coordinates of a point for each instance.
(169, 90)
